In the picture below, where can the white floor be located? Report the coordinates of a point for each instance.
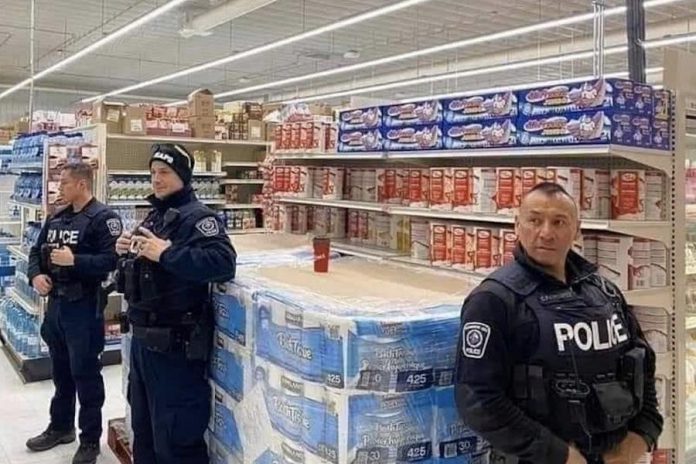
(24, 413)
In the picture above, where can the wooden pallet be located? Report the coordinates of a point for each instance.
(117, 438)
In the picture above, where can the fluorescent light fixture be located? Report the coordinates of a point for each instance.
(432, 50)
(359, 18)
(232, 9)
(461, 74)
(98, 44)
(670, 40)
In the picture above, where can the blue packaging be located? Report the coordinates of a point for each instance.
(224, 427)
(391, 354)
(661, 135)
(491, 133)
(360, 119)
(617, 94)
(422, 113)
(379, 428)
(360, 140)
(480, 107)
(455, 442)
(413, 138)
(289, 336)
(589, 127)
(231, 366)
(232, 310)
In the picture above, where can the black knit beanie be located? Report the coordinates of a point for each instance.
(176, 157)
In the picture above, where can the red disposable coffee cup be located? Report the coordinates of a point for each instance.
(322, 248)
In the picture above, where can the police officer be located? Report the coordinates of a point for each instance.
(73, 254)
(165, 272)
(552, 366)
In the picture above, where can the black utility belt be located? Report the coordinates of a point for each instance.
(162, 339)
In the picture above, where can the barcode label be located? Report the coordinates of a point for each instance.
(451, 450)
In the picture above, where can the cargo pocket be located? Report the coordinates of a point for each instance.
(615, 405)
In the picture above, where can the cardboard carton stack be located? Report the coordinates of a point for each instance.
(240, 121)
(201, 109)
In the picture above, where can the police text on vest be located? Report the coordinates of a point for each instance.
(591, 336)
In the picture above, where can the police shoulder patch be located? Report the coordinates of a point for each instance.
(208, 227)
(114, 226)
(475, 337)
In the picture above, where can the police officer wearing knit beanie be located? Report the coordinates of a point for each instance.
(177, 252)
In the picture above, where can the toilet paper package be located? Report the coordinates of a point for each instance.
(233, 310)
(219, 453)
(398, 352)
(508, 243)
(401, 233)
(655, 323)
(480, 107)
(383, 230)
(390, 186)
(224, 426)
(412, 114)
(231, 366)
(387, 428)
(454, 442)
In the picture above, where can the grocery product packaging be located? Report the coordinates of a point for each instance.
(337, 223)
(369, 185)
(401, 233)
(354, 226)
(658, 264)
(640, 264)
(463, 246)
(493, 133)
(359, 119)
(368, 228)
(440, 244)
(134, 120)
(356, 184)
(462, 183)
(480, 107)
(613, 258)
(420, 240)
(484, 185)
(441, 188)
(531, 177)
(654, 195)
(509, 190)
(488, 249)
(568, 178)
(662, 105)
(426, 137)
(390, 185)
(412, 114)
(628, 194)
(333, 183)
(589, 247)
(508, 243)
(201, 103)
(384, 235)
(596, 194)
(661, 134)
(418, 190)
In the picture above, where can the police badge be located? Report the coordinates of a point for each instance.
(208, 227)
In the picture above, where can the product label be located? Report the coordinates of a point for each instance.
(438, 243)
(484, 248)
(509, 240)
(508, 196)
(462, 187)
(459, 245)
(628, 196)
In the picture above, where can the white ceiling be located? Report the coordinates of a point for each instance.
(64, 26)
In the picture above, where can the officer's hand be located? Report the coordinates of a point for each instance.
(150, 245)
(574, 456)
(43, 284)
(63, 257)
(629, 451)
(123, 244)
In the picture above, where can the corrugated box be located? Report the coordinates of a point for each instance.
(134, 120)
(108, 113)
(203, 127)
(256, 130)
(201, 103)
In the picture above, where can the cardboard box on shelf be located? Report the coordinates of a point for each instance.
(628, 194)
(441, 188)
(484, 184)
(508, 243)
(639, 265)
(440, 244)
(462, 246)
(418, 190)
(509, 190)
(613, 258)
(462, 182)
(596, 194)
(654, 193)
(134, 120)
(568, 178)
(658, 264)
(488, 249)
(420, 240)
(256, 130)
(531, 177)
(201, 103)
(202, 127)
(108, 113)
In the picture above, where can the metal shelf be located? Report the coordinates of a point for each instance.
(242, 182)
(213, 201)
(654, 230)
(29, 166)
(143, 172)
(18, 252)
(185, 140)
(362, 251)
(691, 322)
(257, 230)
(30, 206)
(242, 206)
(28, 306)
(241, 164)
(659, 297)
(331, 156)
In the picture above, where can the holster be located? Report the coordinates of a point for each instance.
(200, 340)
(159, 339)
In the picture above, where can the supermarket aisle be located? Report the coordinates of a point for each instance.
(24, 412)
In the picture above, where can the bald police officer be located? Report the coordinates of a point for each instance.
(165, 272)
(72, 256)
(552, 365)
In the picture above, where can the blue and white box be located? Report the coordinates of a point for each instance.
(589, 127)
(413, 138)
(616, 94)
(455, 442)
(661, 134)
(231, 366)
(380, 428)
(360, 140)
(480, 107)
(233, 312)
(289, 335)
(662, 105)
(224, 426)
(360, 119)
(490, 133)
(412, 114)
(391, 352)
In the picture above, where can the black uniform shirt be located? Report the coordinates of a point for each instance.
(484, 383)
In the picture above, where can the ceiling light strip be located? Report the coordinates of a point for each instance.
(362, 17)
(98, 44)
(510, 33)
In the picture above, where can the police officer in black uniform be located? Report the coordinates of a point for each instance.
(72, 256)
(165, 272)
(552, 365)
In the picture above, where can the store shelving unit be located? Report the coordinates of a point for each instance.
(670, 364)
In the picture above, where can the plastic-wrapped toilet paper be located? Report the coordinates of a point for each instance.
(454, 441)
(231, 366)
(223, 424)
(232, 312)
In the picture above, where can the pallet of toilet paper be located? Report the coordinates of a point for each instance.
(355, 365)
